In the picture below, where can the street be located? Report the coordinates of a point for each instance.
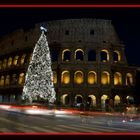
(20, 122)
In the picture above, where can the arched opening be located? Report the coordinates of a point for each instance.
(22, 61)
(130, 99)
(0, 65)
(104, 55)
(103, 101)
(65, 99)
(78, 99)
(117, 78)
(7, 80)
(78, 77)
(4, 63)
(117, 100)
(92, 55)
(21, 79)
(10, 61)
(66, 54)
(79, 54)
(92, 77)
(54, 77)
(116, 56)
(92, 100)
(2, 80)
(105, 78)
(15, 62)
(129, 79)
(65, 77)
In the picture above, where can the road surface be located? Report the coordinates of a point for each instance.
(18, 122)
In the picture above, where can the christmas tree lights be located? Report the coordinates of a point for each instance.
(39, 76)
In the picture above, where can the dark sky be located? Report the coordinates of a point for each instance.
(126, 22)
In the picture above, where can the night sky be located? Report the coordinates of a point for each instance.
(126, 22)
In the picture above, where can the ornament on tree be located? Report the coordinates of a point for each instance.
(39, 76)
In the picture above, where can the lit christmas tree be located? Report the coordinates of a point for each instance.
(39, 76)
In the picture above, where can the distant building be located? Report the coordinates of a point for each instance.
(88, 58)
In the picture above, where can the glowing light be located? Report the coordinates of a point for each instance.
(116, 100)
(15, 60)
(22, 59)
(66, 55)
(92, 78)
(124, 121)
(5, 106)
(107, 55)
(105, 78)
(78, 77)
(54, 77)
(9, 61)
(65, 77)
(118, 55)
(4, 63)
(93, 99)
(39, 76)
(129, 79)
(21, 79)
(2, 81)
(117, 78)
(103, 99)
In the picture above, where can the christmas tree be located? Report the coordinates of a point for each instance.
(39, 76)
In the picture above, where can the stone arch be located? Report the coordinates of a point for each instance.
(92, 77)
(78, 77)
(78, 98)
(10, 61)
(129, 79)
(66, 55)
(22, 60)
(93, 99)
(54, 77)
(117, 78)
(103, 101)
(21, 79)
(65, 99)
(104, 55)
(117, 100)
(15, 61)
(2, 80)
(4, 63)
(105, 78)
(130, 99)
(116, 56)
(79, 54)
(65, 77)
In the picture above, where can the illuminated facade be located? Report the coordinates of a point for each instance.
(88, 62)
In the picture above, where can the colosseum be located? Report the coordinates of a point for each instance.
(88, 62)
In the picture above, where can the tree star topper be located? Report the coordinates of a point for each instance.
(43, 29)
